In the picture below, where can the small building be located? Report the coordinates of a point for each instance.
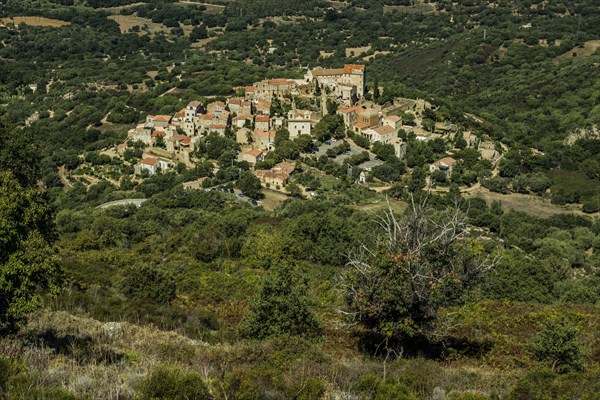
(240, 106)
(216, 107)
(445, 165)
(262, 122)
(263, 107)
(194, 185)
(249, 92)
(382, 134)
(277, 176)
(264, 139)
(349, 115)
(252, 156)
(218, 128)
(393, 120)
(369, 116)
(399, 147)
(153, 165)
(158, 121)
(299, 125)
(241, 120)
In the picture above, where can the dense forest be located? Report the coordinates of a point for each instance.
(196, 295)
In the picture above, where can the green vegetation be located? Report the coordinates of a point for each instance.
(324, 292)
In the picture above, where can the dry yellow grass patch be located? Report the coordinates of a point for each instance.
(126, 22)
(589, 48)
(273, 199)
(377, 53)
(36, 21)
(203, 42)
(356, 51)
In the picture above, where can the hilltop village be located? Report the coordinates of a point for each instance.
(327, 116)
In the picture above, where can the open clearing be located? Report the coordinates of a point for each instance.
(36, 21)
(272, 199)
(210, 8)
(380, 205)
(377, 53)
(126, 22)
(203, 42)
(356, 51)
(529, 204)
(589, 48)
(423, 8)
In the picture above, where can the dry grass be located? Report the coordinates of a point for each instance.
(380, 205)
(356, 51)
(203, 42)
(423, 8)
(377, 53)
(532, 205)
(126, 22)
(588, 48)
(36, 21)
(273, 199)
(210, 8)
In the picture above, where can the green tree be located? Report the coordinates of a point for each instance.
(149, 283)
(281, 306)
(28, 262)
(250, 185)
(417, 180)
(557, 347)
(19, 155)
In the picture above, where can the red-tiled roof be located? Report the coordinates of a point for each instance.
(150, 161)
(262, 118)
(349, 68)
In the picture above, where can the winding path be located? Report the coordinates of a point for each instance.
(124, 202)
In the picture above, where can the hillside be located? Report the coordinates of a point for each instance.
(301, 199)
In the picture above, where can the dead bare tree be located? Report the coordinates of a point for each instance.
(418, 264)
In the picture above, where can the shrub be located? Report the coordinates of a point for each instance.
(556, 347)
(167, 382)
(281, 307)
(149, 283)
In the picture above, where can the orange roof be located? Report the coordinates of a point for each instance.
(262, 118)
(180, 113)
(349, 68)
(162, 118)
(186, 140)
(265, 134)
(217, 126)
(241, 117)
(324, 72)
(361, 125)
(349, 110)
(384, 130)
(177, 137)
(254, 152)
(263, 103)
(284, 167)
(249, 89)
(149, 161)
(194, 104)
(280, 81)
(445, 161)
(207, 117)
(158, 133)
